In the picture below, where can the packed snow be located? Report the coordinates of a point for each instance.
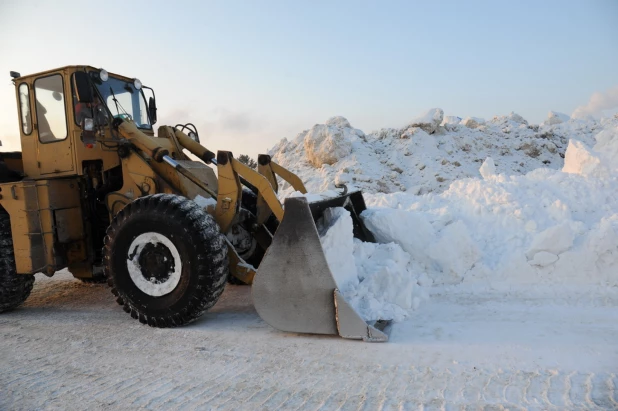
(70, 338)
(546, 228)
(374, 278)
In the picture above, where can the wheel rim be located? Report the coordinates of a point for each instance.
(154, 264)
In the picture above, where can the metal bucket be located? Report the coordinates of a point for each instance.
(294, 289)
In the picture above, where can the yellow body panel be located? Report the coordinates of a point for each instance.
(46, 222)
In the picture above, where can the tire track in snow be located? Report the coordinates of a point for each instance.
(390, 388)
(601, 393)
(557, 389)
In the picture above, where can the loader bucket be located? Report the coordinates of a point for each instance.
(294, 289)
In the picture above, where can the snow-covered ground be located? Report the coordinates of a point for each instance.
(497, 257)
(72, 347)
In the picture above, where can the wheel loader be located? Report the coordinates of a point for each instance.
(94, 190)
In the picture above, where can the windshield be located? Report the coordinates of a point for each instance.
(124, 100)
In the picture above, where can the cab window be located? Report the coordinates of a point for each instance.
(24, 109)
(50, 108)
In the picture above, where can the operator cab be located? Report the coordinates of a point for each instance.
(66, 117)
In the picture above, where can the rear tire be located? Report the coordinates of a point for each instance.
(165, 259)
(14, 288)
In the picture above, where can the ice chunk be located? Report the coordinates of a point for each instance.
(410, 230)
(543, 259)
(556, 240)
(579, 159)
(472, 122)
(326, 144)
(336, 236)
(451, 120)
(488, 169)
(455, 252)
(388, 290)
(429, 121)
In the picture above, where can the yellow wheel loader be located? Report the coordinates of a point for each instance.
(95, 190)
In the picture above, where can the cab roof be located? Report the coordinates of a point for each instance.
(74, 67)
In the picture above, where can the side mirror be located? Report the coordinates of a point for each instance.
(82, 87)
(152, 110)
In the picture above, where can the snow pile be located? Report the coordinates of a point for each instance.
(547, 233)
(429, 154)
(376, 279)
(546, 228)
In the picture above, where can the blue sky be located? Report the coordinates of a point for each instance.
(251, 72)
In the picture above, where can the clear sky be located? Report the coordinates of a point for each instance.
(248, 73)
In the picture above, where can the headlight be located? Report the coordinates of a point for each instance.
(103, 75)
(137, 84)
(88, 124)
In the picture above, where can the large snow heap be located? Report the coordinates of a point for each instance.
(522, 211)
(429, 153)
(555, 228)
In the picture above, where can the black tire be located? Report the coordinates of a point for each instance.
(189, 237)
(14, 288)
(249, 202)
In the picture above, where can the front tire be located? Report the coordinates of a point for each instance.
(14, 288)
(165, 259)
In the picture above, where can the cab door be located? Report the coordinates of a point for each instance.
(54, 149)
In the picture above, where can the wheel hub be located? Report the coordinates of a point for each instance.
(154, 264)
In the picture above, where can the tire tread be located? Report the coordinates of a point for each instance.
(14, 288)
(201, 229)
